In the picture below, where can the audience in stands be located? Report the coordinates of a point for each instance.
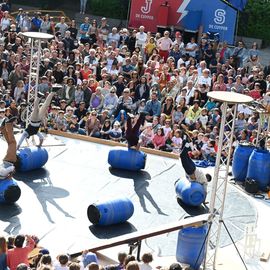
(102, 74)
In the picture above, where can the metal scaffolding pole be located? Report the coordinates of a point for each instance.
(223, 158)
(35, 41)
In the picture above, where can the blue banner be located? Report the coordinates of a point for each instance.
(220, 18)
(215, 16)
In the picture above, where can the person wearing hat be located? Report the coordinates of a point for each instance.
(104, 29)
(37, 116)
(6, 128)
(19, 19)
(62, 26)
(60, 121)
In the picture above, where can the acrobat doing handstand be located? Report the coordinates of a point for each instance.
(193, 173)
(36, 118)
(7, 167)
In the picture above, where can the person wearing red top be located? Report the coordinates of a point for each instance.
(86, 71)
(19, 254)
(159, 140)
(256, 92)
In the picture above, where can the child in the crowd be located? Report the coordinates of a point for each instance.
(208, 151)
(73, 125)
(159, 140)
(62, 262)
(60, 122)
(147, 258)
(105, 130)
(52, 117)
(177, 115)
(121, 259)
(176, 142)
(147, 135)
(197, 145)
(203, 118)
(141, 107)
(167, 128)
(115, 134)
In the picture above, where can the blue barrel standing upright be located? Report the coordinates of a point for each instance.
(191, 246)
(240, 161)
(10, 192)
(110, 212)
(127, 159)
(191, 193)
(31, 158)
(259, 168)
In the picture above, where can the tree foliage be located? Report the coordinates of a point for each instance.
(109, 8)
(254, 21)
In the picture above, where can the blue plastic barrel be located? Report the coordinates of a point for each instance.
(10, 192)
(189, 244)
(259, 168)
(191, 193)
(240, 161)
(110, 212)
(127, 159)
(31, 158)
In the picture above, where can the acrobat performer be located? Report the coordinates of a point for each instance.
(133, 130)
(36, 118)
(7, 167)
(192, 173)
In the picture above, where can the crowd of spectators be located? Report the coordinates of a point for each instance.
(23, 252)
(107, 73)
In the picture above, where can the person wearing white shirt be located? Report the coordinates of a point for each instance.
(205, 79)
(5, 21)
(164, 45)
(191, 48)
(190, 90)
(111, 101)
(113, 36)
(141, 38)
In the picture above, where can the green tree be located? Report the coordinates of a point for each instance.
(254, 21)
(109, 8)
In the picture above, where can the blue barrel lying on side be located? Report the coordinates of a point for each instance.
(191, 246)
(10, 192)
(127, 159)
(110, 212)
(31, 158)
(259, 168)
(240, 161)
(191, 193)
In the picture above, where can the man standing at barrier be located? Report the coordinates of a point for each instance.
(193, 174)
(7, 167)
(37, 116)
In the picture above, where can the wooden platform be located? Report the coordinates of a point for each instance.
(111, 143)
